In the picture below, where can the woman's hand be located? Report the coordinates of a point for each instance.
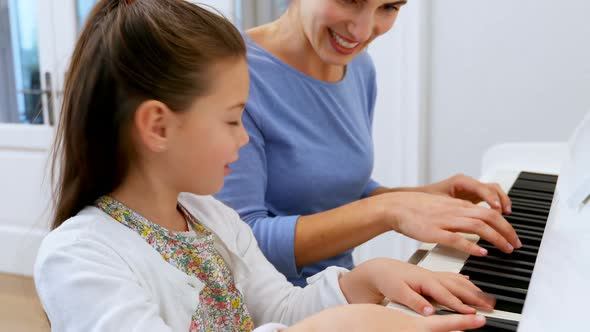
(407, 284)
(437, 219)
(470, 189)
(376, 318)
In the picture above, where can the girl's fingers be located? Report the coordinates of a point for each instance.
(414, 301)
(470, 294)
(445, 297)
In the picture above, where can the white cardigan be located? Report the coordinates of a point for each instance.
(94, 274)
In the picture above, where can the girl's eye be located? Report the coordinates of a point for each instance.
(391, 7)
(348, 2)
(234, 123)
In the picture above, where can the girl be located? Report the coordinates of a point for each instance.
(303, 183)
(150, 123)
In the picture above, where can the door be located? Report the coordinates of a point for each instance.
(36, 37)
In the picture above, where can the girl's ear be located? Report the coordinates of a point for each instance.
(153, 123)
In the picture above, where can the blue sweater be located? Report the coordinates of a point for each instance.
(310, 150)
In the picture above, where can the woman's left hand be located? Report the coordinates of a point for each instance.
(408, 284)
(470, 189)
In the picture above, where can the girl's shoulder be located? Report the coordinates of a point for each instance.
(89, 234)
(90, 224)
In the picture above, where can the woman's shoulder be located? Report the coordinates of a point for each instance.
(363, 63)
(259, 58)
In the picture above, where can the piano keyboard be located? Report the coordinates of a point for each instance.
(506, 276)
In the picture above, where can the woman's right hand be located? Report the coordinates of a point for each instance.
(376, 318)
(437, 219)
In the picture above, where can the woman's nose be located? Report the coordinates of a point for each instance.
(361, 27)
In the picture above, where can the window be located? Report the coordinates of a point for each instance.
(251, 13)
(20, 80)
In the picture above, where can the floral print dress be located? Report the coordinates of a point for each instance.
(221, 306)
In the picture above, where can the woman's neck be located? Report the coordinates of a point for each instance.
(286, 40)
(152, 199)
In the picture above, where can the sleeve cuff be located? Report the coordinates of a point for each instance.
(270, 327)
(328, 282)
(371, 186)
(285, 251)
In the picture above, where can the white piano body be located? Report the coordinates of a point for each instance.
(560, 283)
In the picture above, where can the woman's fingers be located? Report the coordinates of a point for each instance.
(484, 230)
(446, 323)
(503, 232)
(490, 195)
(504, 199)
(454, 240)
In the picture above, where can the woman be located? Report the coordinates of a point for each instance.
(303, 183)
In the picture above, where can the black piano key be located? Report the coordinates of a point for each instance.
(507, 276)
(525, 221)
(522, 255)
(504, 261)
(493, 266)
(529, 203)
(493, 324)
(523, 226)
(496, 277)
(505, 290)
(534, 186)
(538, 177)
(509, 299)
(520, 215)
(510, 304)
(542, 197)
(529, 240)
(525, 247)
(537, 212)
(524, 231)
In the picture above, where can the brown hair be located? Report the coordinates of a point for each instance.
(129, 52)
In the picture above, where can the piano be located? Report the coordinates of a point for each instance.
(544, 285)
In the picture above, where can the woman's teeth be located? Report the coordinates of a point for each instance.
(342, 42)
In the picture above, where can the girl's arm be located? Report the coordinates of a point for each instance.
(86, 286)
(270, 298)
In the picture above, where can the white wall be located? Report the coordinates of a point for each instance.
(504, 71)
(459, 76)
(226, 7)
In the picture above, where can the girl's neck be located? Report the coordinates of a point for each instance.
(152, 199)
(286, 40)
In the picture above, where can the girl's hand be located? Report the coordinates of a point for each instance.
(407, 284)
(376, 318)
(470, 189)
(437, 219)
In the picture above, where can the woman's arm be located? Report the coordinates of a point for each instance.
(269, 297)
(422, 216)
(294, 241)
